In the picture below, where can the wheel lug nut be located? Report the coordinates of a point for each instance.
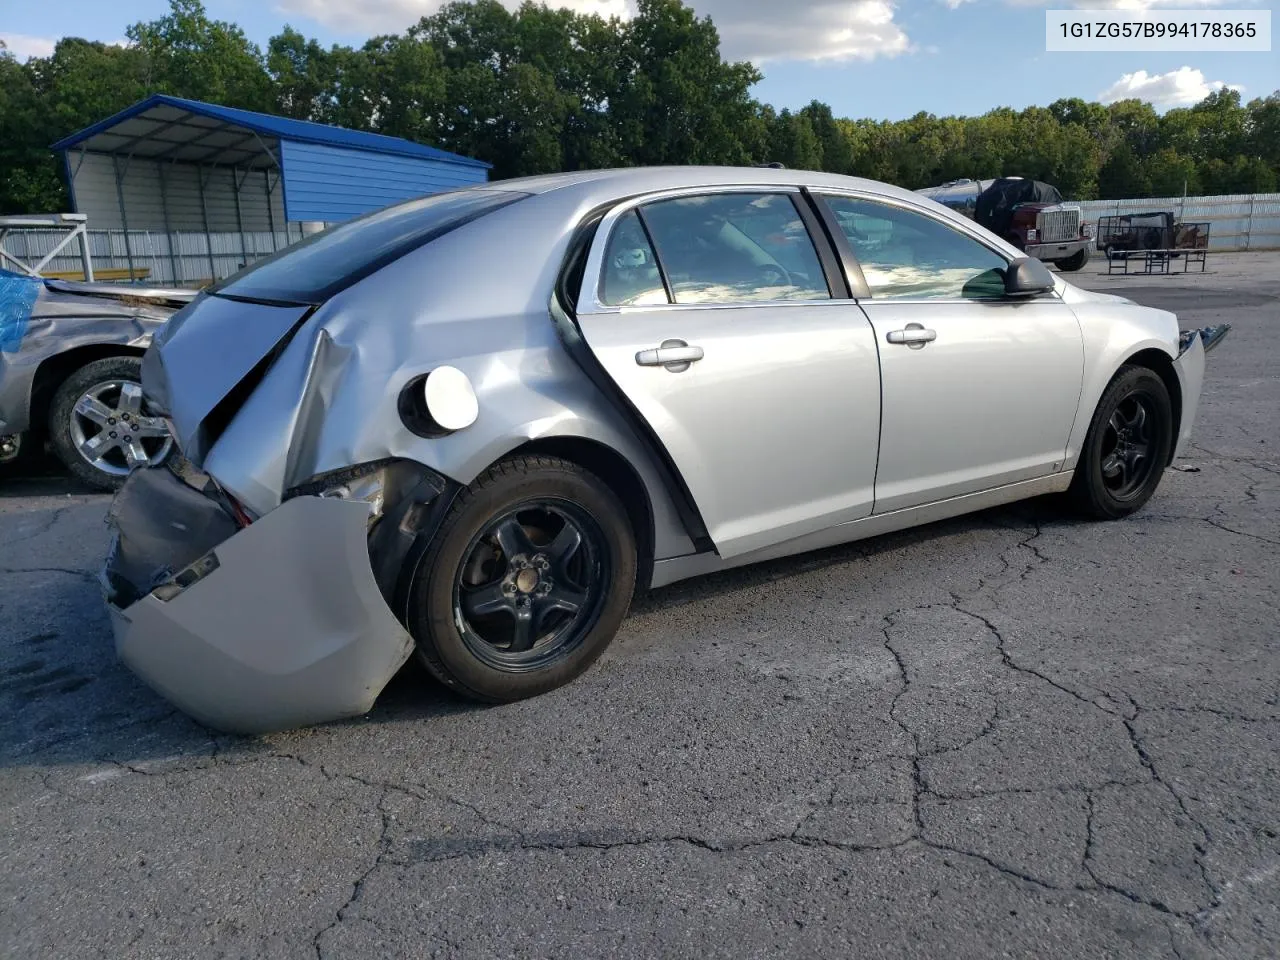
(113, 434)
(111, 420)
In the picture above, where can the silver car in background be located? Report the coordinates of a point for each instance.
(472, 425)
(70, 374)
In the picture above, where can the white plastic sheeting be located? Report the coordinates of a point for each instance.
(1238, 222)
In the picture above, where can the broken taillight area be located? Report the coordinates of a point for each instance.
(242, 516)
(166, 522)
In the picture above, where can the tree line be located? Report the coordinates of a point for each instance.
(539, 90)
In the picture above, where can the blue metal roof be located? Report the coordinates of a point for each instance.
(282, 128)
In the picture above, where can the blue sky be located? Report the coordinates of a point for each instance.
(866, 58)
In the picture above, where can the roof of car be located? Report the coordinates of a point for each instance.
(628, 181)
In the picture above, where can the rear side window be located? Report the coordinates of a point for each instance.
(735, 248)
(314, 269)
(631, 275)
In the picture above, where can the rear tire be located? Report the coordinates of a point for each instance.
(1129, 444)
(526, 582)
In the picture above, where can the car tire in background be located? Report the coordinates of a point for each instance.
(525, 583)
(1129, 444)
(1075, 262)
(100, 427)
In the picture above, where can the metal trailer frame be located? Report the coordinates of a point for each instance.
(73, 223)
(1188, 242)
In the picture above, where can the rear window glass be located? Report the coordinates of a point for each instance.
(316, 268)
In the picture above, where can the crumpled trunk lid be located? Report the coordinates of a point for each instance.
(224, 351)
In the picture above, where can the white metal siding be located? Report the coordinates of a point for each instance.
(145, 198)
(177, 259)
(335, 183)
(1236, 222)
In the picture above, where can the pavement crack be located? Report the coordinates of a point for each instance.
(1089, 846)
(42, 527)
(85, 575)
(1239, 533)
(357, 888)
(1007, 659)
(1200, 846)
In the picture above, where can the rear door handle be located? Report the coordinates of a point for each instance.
(914, 336)
(675, 355)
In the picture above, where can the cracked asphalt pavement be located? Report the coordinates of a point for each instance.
(1012, 734)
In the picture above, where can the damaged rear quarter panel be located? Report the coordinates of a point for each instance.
(477, 299)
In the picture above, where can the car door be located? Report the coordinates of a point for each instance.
(979, 389)
(712, 312)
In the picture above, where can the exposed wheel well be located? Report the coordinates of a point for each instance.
(54, 370)
(1159, 363)
(611, 467)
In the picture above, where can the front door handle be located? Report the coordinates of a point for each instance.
(675, 355)
(914, 336)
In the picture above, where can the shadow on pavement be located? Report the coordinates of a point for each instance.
(66, 698)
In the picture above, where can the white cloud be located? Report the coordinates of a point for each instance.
(749, 29)
(1177, 88)
(808, 29)
(1133, 6)
(368, 17)
(23, 46)
(1136, 5)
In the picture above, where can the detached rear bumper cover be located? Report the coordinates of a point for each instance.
(289, 628)
(1190, 369)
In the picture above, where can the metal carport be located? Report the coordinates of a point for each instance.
(246, 182)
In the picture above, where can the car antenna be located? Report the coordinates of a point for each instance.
(772, 166)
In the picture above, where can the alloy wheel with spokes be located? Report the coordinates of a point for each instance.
(112, 430)
(1129, 444)
(530, 585)
(100, 425)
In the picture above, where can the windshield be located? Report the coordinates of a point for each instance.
(314, 269)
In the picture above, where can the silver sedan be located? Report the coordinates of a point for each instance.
(472, 425)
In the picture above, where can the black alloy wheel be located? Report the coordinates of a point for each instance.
(1129, 444)
(525, 582)
(531, 585)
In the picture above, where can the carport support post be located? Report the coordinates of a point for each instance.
(204, 218)
(86, 261)
(168, 230)
(124, 218)
(235, 186)
(271, 213)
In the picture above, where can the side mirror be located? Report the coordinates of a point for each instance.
(1026, 277)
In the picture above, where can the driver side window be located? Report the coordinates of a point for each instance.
(735, 248)
(908, 256)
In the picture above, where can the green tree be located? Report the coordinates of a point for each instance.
(189, 55)
(1172, 175)
(303, 75)
(538, 89)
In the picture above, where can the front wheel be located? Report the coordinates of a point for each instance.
(526, 582)
(100, 426)
(1074, 262)
(1129, 444)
